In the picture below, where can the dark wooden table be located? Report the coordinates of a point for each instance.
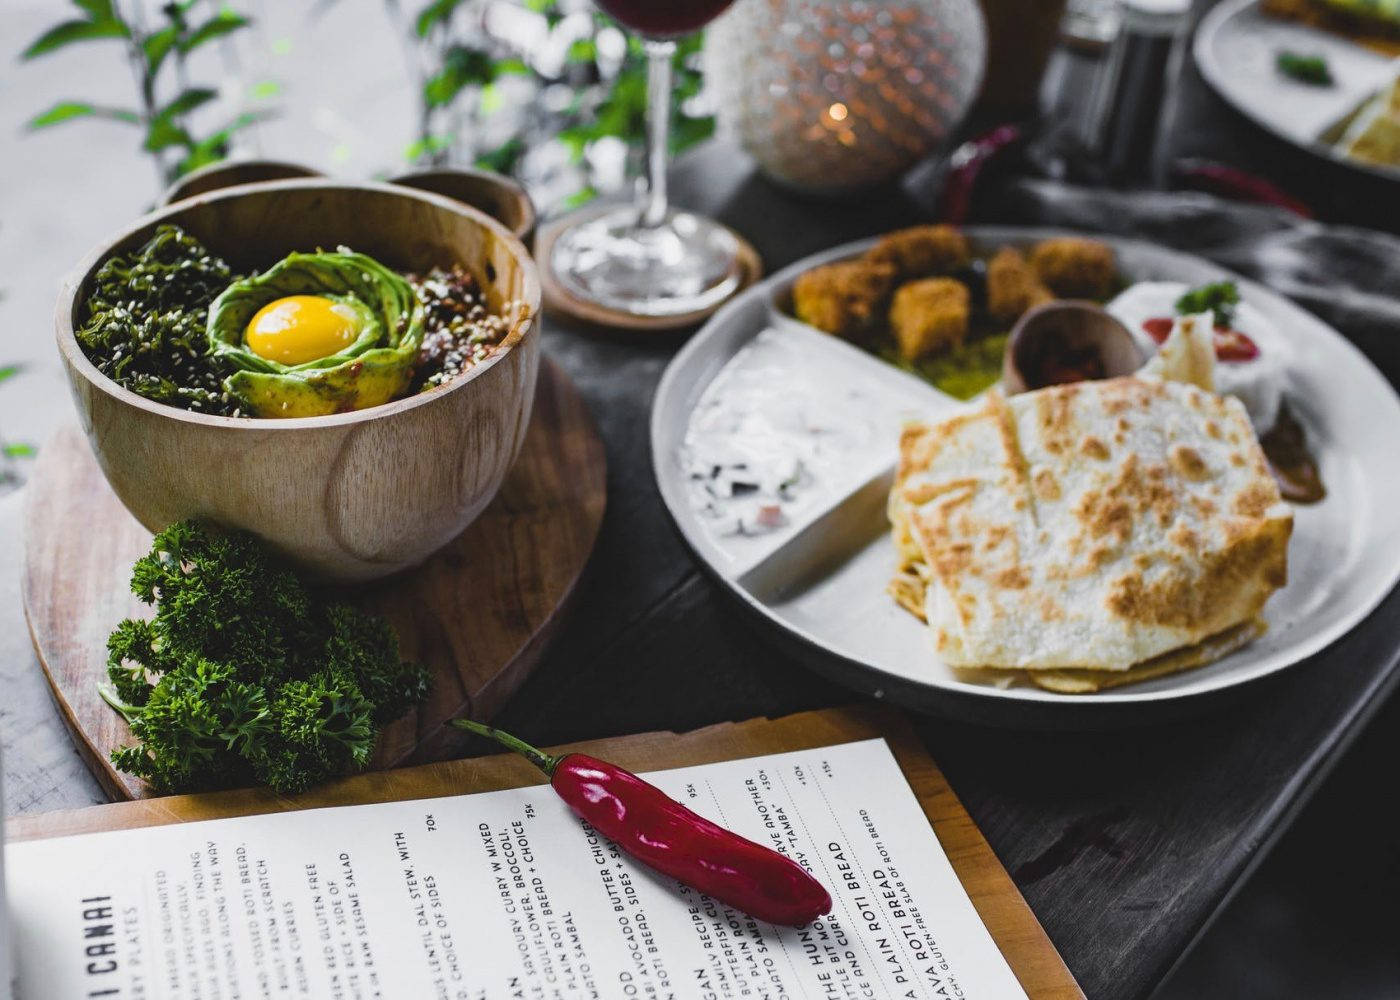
(1125, 844)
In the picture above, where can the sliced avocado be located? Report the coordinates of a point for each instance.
(369, 380)
(376, 368)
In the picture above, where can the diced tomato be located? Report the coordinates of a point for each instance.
(1159, 329)
(1231, 345)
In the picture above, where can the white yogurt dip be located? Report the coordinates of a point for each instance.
(1258, 382)
(793, 423)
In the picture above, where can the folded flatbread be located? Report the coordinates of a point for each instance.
(1089, 527)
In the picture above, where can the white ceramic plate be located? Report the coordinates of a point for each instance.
(820, 583)
(1235, 48)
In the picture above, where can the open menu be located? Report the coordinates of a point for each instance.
(506, 894)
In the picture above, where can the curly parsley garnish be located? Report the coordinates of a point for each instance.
(246, 676)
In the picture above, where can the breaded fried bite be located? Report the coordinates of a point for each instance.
(929, 316)
(843, 298)
(1075, 268)
(1013, 287)
(922, 251)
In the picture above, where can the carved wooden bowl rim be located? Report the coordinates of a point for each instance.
(80, 279)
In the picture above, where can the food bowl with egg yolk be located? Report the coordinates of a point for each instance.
(350, 495)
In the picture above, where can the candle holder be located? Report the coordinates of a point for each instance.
(833, 97)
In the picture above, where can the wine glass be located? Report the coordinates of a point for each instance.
(649, 259)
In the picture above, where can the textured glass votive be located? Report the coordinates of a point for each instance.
(836, 95)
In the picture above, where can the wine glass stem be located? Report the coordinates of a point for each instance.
(659, 56)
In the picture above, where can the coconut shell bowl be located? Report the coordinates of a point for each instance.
(350, 496)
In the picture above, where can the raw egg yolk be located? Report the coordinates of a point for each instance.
(301, 328)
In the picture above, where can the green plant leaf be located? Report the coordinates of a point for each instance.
(687, 132)
(19, 450)
(223, 23)
(98, 10)
(163, 133)
(75, 31)
(503, 158)
(461, 68)
(165, 129)
(264, 89)
(437, 12)
(216, 147)
(580, 197)
(66, 110)
(186, 101)
(421, 148)
(9, 371)
(582, 50)
(157, 46)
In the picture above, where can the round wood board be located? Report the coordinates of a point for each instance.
(559, 299)
(479, 611)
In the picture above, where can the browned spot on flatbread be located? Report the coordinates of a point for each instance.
(919, 494)
(1013, 578)
(1104, 515)
(1047, 487)
(1056, 420)
(1011, 444)
(1254, 500)
(997, 536)
(1188, 463)
(1178, 599)
(1184, 538)
(1094, 448)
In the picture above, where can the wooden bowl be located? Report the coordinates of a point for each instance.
(495, 194)
(1064, 329)
(352, 496)
(228, 173)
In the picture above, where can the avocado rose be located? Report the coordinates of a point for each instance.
(317, 333)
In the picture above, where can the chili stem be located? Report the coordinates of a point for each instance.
(534, 755)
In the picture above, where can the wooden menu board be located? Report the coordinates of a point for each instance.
(1023, 942)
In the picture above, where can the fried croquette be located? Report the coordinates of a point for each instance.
(1013, 287)
(929, 316)
(1075, 268)
(922, 251)
(844, 298)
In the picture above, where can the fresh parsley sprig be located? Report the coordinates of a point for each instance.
(245, 675)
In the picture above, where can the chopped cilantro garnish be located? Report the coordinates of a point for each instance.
(1219, 297)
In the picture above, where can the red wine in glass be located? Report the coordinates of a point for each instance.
(664, 18)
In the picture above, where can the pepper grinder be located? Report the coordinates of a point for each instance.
(1130, 93)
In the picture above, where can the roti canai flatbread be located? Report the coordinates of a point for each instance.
(1088, 527)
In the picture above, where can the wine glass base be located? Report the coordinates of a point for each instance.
(687, 264)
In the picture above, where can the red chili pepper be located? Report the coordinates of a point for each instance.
(1231, 182)
(965, 166)
(663, 834)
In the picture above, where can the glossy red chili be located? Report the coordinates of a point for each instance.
(666, 836)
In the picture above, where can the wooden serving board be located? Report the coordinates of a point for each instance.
(479, 611)
(1029, 952)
